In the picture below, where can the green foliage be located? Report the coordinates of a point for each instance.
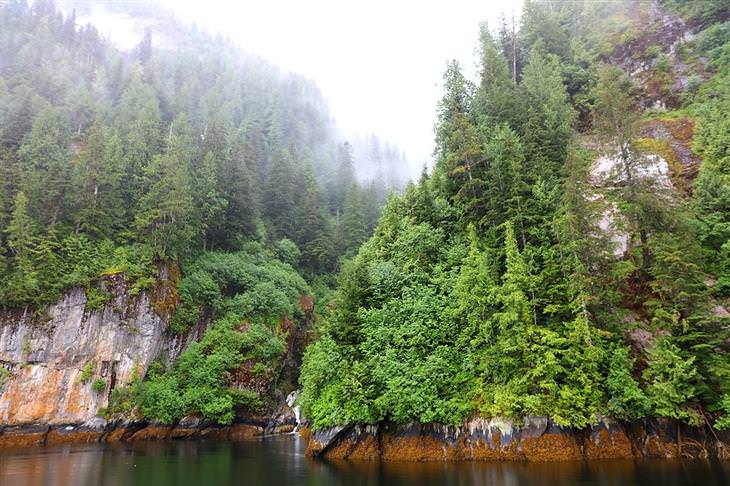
(123, 399)
(87, 372)
(287, 251)
(252, 284)
(498, 286)
(4, 376)
(112, 162)
(626, 399)
(246, 295)
(99, 385)
(670, 381)
(724, 421)
(198, 382)
(712, 190)
(96, 299)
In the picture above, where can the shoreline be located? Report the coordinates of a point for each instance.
(36, 435)
(535, 440)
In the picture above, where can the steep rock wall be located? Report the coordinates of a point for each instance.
(44, 355)
(43, 399)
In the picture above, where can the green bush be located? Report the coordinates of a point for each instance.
(246, 294)
(99, 385)
(87, 372)
(96, 299)
(198, 382)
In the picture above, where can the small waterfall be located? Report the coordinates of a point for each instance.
(291, 401)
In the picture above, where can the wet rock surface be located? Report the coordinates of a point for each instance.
(51, 361)
(536, 439)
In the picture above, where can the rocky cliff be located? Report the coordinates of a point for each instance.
(536, 439)
(58, 368)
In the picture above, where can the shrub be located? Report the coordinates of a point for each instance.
(96, 299)
(246, 293)
(87, 372)
(99, 385)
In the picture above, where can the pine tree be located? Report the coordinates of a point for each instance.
(343, 177)
(164, 210)
(242, 212)
(511, 385)
(279, 196)
(22, 230)
(90, 180)
(138, 121)
(473, 291)
(44, 158)
(546, 116)
(313, 235)
(354, 222)
(210, 204)
(503, 181)
(458, 144)
(494, 98)
(22, 239)
(670, 381)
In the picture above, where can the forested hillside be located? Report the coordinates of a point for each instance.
(568, 254)
(196, 168)
(112, 161)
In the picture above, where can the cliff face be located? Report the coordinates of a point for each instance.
(45, 355)
(536, 439)
(52, 365)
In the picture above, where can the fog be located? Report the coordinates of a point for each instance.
(379, 63)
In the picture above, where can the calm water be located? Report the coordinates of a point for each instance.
(281, 461)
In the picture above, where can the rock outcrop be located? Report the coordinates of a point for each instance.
(46, 355)
(536, 439)
(52, 366)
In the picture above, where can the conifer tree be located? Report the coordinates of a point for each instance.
(344, 176)
(670, 381)
(209, 202)
(22, 230)
(279, 195)
(46, 166)
(494, 97)
(547, 117)
(354, 221)
(164, 210)
(313, 236)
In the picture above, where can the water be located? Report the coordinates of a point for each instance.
(281, 461)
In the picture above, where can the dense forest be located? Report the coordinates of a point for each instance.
(569, 253)
(116, 160)
(143, 163)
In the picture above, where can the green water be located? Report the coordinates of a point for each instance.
(281, 461)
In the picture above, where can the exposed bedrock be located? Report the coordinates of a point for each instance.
(536, 439)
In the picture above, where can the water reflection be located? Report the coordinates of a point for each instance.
(281, 461)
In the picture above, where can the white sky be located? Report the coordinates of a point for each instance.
(378, 62)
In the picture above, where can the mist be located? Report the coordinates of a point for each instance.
(378, 64)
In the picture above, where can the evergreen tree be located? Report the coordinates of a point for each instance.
(44, 158)
(22, 230)
(546, 116)
(354, 221)
(242, 212)
(344, 176)
(209, 202)
(279, 195)
(313, 235)
(164, 210)
(670, 381)
(22, 239)
(494, 98)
